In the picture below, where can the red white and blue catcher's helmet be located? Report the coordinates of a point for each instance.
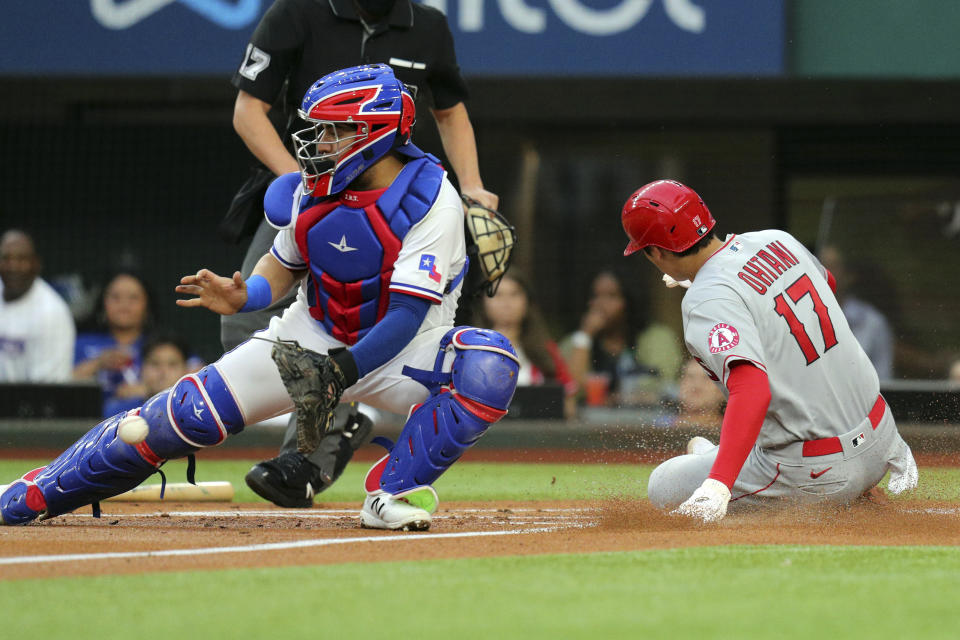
(665, 214)
(376, 106)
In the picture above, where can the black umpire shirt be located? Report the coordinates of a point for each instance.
(299, 41)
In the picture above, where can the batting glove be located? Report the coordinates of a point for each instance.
(708, 503)
(903, 471)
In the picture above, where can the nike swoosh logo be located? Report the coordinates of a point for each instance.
(819, 473)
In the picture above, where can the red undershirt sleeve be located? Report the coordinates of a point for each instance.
(831, 281)
(746, 408)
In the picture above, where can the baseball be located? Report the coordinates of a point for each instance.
(133, 429)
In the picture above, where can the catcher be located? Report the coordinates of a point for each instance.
(300, 471)
(372, 232)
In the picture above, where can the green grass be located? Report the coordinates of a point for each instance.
(738, 592)
(488, 481)
(464, 481)
(714, 592)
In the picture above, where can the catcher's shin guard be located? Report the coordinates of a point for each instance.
(197, 412)
(463, 403)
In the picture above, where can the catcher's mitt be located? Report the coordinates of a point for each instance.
(315, 383)
(493, 240)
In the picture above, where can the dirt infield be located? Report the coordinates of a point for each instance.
(134, 538)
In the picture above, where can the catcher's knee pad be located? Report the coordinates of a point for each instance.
(197, 412)
(463, 403)
(485, 367)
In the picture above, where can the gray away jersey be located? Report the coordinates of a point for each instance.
(764, 298)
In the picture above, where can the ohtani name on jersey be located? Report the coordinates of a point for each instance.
(766, 265)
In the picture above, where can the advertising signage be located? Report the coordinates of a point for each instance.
(493, 37)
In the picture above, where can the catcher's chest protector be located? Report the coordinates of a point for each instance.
(350, 249)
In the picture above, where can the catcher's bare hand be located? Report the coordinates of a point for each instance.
(221, 295)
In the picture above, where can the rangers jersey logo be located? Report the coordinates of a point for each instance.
(428, 264)
(722, 338)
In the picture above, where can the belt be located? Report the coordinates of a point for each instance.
(826, 446)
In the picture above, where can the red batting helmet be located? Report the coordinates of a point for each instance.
(665, 214)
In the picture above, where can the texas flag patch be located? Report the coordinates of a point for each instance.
(429, 263)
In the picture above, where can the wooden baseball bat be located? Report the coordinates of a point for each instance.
(175, 492)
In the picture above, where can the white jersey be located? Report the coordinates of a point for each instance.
(763, 298)
(36, 336)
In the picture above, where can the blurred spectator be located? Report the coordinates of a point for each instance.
(953, 376)
(514, 313)
(110, 351)
(700, 399)
(618, 356)
(36, 328)
(165, 360)
(869, 325)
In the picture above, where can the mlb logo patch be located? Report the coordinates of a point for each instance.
(858, 440)
(736, 246)
(428, 263)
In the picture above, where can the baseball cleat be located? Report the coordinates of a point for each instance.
(289, 480)
(382, 511)
(698, 444)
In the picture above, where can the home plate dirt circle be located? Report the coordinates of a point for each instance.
(145, 537)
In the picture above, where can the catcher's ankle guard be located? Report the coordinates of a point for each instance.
(423, 496)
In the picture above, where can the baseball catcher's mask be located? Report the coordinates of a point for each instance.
(493, 241)
(371, 101)
(320, 146)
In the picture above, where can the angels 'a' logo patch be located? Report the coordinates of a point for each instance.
(722, 337)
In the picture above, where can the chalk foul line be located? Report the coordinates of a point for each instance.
(272, 546)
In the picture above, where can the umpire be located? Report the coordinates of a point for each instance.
(296, 42)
